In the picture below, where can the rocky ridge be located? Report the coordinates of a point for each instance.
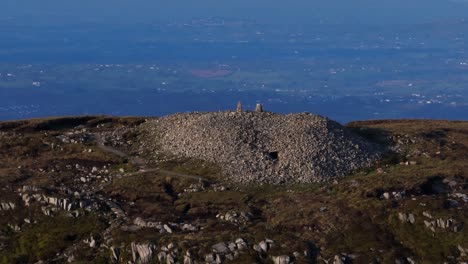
(262, 146)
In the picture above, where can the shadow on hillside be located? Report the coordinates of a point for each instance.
(375, 135)
(60, 123)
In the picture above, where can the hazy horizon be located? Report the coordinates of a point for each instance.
(275, 12)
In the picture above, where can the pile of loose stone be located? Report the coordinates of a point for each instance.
(261, 146)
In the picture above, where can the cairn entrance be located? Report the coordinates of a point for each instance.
(274, 155)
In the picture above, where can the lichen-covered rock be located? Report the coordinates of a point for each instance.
(262, 146)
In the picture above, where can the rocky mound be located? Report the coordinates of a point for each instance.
(262, 146)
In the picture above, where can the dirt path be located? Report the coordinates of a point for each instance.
(141, 163)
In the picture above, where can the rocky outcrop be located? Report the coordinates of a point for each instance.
(264, 246)
(235, 217)
(91, 242)
(164, 228)
(394, 195)
(225, 251)
(114, 253)
(407, 218)
(463, 251)
(7, 206)
(142, 253)
(262, 146)
(460, 196)
(169, 254)
(449, 224)
(281, 259)
(62, 203)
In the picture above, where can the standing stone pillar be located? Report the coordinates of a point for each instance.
(259, 108)
(239, 107)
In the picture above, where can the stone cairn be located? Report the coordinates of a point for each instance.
(293, 148)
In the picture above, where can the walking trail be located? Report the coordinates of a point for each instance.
(140, 163)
